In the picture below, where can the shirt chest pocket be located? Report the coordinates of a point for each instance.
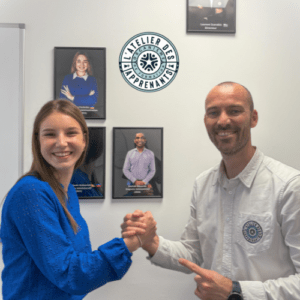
(254, 232)
(145, 163)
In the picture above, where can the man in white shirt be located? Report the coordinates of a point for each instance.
(242, 238)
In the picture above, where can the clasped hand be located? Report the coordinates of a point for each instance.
(141, 224)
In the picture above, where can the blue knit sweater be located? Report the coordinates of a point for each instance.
(80, 89)
(43, 258)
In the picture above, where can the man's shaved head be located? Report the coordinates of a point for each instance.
(244, 90)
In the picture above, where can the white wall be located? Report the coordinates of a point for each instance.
(263, 55)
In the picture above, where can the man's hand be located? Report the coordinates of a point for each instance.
(144, 225)
(210, 284)
(139, 182)
(133, 225)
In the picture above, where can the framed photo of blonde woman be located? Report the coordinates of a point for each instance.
(80, 77)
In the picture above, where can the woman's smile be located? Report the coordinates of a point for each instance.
(62, 142)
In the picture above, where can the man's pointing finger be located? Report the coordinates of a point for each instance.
(193, 267)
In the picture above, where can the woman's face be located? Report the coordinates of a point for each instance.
(81, 65)
(62, 142)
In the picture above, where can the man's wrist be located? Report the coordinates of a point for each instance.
(236, 293)
(151, 246)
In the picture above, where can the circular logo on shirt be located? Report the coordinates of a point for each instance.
(149, 62)
(252, 232)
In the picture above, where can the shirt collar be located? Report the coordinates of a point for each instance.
(247, 175)
(137, 149)
(84, 77)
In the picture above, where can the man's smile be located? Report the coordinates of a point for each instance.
(225, 133)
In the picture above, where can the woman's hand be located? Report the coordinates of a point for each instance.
(132, 243)
(143, 225)
(67, 93)
(92, 92)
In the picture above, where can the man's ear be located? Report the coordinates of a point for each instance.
(254, 118)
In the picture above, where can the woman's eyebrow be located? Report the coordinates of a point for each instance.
(47, 129)
(52, 129)
(73, 128)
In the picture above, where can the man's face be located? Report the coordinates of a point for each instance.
(228, 118)
(140, 140)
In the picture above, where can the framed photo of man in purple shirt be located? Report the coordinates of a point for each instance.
(137, 162)
(80, 77)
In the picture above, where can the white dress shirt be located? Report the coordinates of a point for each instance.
(85, 77)
(246, 228)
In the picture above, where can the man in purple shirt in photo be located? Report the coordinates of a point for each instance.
(139, 166)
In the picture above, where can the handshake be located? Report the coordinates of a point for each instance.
(139, 230)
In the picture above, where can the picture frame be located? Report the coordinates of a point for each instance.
(211, 16)
(137, 162)
(89, 178)
(84, 85)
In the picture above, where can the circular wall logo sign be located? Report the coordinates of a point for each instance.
(252, 232)
(149, 62)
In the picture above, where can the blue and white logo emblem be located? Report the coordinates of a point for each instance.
(149, 62)
(252, 232)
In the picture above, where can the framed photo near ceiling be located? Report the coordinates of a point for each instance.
(80, 76)
(89, 178)
(137, 162)
(217, 16)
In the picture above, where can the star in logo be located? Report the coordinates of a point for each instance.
(149, 62)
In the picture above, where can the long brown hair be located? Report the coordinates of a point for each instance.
(40, 166)
(89, 68)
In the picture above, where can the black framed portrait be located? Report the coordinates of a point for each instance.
(217, 16)
(80, 76)
(89, 178)
(137, 162)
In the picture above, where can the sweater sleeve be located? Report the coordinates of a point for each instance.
(65, 82)
(87, 100)
(38, 217)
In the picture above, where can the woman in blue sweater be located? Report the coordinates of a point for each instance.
(79, 86)
(46, 247)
